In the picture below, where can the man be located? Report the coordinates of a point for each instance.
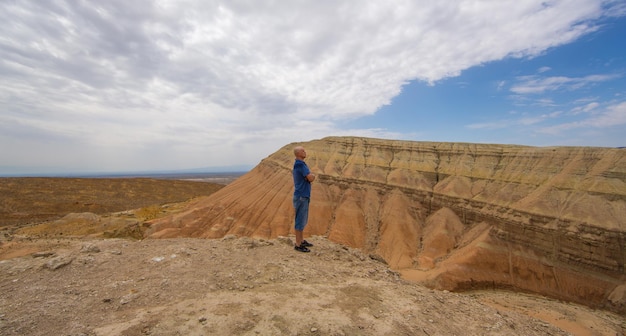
(302, 178)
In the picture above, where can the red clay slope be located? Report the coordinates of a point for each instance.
(455, 216)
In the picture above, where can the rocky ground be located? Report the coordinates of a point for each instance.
(243, 286)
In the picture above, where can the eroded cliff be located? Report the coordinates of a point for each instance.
(453, 216)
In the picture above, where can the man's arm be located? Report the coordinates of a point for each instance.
(310, 177)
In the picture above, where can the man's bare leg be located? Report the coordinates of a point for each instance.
(298, 237)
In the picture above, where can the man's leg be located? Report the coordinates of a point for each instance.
(301, 205)
(298, 237)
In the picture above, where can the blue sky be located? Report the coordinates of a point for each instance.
(510, 101)
(123, 86)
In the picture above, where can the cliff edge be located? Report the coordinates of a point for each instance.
(454, 216)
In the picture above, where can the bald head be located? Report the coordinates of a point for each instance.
(299, 153)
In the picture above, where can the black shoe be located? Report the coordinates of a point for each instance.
(301, 248)
(306, 244)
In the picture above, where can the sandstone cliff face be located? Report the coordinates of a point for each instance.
(454, 216)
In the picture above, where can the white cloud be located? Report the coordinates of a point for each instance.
(586, 108)
(524, 120)
(498, 124)
(611, 117)
(545, 102)
(544, 69)
(228, 82)
(614, 115)
(537, 85)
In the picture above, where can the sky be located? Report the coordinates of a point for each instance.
(123, 86)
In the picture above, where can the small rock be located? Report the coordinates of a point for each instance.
(313, 329)
(43, 254)
(58, 262)
(128, 298)
(89, 248)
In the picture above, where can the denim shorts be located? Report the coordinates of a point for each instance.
(301, 205)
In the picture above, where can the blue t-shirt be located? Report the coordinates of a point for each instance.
(302, 185)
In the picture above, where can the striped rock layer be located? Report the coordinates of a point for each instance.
(455, 216)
